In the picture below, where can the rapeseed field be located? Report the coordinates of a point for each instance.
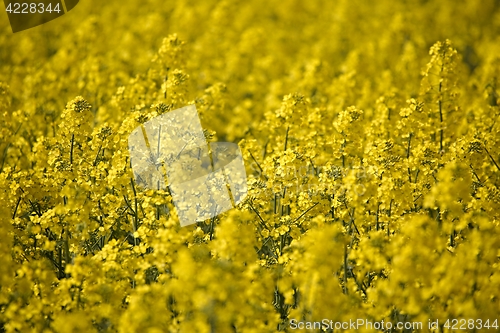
(370, 131)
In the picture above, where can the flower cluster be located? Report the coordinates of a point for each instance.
(371, 138)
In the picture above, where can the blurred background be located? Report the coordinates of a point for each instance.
(259, 50)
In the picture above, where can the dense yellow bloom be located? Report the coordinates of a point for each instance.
(371, 137)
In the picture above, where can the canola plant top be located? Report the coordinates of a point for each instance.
(369, 131)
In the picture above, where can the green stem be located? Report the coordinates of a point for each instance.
(97, 156)
(491, 157)
(345, 269)
(71, 151)
(263, 224)
(304, 213)
(4, 156)
(441, 134)
(286, 137)
(15, 210)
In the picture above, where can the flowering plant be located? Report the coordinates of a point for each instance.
(371, 138)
